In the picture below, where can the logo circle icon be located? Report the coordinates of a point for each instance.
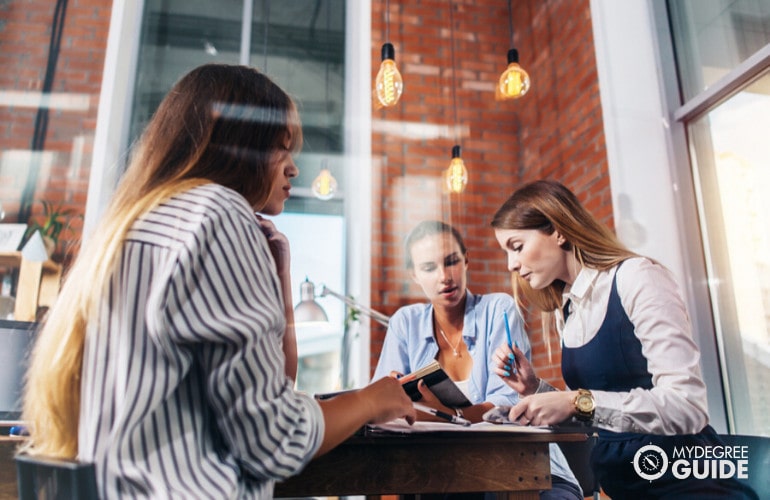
(650, 462)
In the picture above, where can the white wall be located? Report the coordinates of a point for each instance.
(115, 98)
(651, 184)
(358, 172)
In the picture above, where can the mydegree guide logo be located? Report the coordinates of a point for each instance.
(700, 462)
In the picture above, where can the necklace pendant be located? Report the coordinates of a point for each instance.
(453, 347)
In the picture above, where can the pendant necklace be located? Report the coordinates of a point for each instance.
(454, 349)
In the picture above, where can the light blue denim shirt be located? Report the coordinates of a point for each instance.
(410, 344)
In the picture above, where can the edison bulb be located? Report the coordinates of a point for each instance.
(456, 176)
(388, 85)
(514, 82)
(325, 185)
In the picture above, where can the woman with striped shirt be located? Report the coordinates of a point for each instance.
(169, 357)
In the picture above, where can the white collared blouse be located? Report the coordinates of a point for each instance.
(651, 298)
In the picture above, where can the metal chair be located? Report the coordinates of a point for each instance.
(53, 479)
(578, 454)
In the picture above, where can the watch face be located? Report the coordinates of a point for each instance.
(585, 403)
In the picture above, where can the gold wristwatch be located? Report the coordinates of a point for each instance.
(584, 405)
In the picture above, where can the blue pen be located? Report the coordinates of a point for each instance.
(510, 340)
(18, 430)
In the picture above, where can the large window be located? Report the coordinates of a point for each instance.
(50, 78)
(301, 46)
(722, 53)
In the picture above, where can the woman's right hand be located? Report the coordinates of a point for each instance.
(278, 244)
(387, 400)
(514, 368)
(377, 403)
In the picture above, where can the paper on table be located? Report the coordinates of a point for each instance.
(401, 426)
(499, 415)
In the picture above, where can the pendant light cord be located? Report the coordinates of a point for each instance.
(326, 77)
(266, 11)
(510, 20)
(387, 20)
(454, 67)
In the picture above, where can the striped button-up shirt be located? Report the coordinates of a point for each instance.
(183, 387)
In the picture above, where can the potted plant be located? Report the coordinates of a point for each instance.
(55, 220)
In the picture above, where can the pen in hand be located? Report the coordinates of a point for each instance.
(440, 414)
(511, 343)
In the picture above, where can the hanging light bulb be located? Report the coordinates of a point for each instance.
(388, 85)
(325, 185)
(456, 176)
(514, 82)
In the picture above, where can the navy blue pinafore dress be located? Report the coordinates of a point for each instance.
(613, 361)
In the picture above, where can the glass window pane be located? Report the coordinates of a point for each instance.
(317, 253)
(301, 46)
(732, 158)
(711, 37)
(50, 80)
(177, 36)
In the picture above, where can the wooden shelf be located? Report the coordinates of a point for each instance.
(38, 284)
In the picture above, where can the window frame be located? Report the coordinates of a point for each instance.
(648, 159)
(112, 132)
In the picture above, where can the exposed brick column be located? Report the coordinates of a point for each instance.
(555, 131)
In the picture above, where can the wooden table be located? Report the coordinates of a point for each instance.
(515, 464)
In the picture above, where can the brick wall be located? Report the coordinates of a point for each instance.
(62, 168)
(555, 131)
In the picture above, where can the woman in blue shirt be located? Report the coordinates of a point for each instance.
(461, 331)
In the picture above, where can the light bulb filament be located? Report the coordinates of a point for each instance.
(324, 185)
(456, 176)
(388, 79)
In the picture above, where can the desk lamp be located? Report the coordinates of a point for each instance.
(309, 311)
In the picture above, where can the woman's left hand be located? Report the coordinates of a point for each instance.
(545, 408)
(279, 245)
(430, 399)
(514, 368)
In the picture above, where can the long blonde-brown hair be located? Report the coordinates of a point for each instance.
(218, 124)
(548, 206)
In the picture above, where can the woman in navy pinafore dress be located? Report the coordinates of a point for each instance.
(627, 347)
